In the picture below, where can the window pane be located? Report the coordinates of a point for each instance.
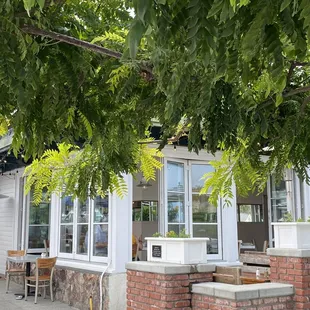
(39, 214)
(82, 239)
(67, 209)
(251, 213)
(175, 172)
(101, 209)
(100, 240)
(203, 212)
(82, 212)
(278, 200)
(198, 171)
(176, 228)
(210, 232)
(176, 208)
(36, 236)
(66, 234)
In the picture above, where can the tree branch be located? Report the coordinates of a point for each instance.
(297, 91)
(72, 41)
(146, 72)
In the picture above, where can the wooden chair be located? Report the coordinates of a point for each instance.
(43, 273)
(13, 271)
(47, 247)
(230, 275)
(265, 245)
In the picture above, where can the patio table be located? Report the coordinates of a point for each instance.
(28, 259)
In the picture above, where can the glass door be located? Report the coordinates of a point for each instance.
(204, 216)
(176, 196)
(187, 209)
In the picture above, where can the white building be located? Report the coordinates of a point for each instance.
(172, 202)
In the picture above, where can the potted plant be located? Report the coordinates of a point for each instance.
(292, 235)
(174, 248)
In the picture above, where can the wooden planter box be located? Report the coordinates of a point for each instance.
(177, 250)
(292, 235)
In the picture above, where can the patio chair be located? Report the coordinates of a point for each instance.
(14, 271)
(43, 274)
(47, 247)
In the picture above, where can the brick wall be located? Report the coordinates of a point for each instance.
(296, 271)
(200, 302)
(146, 290)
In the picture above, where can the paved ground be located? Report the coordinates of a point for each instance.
(8, 301)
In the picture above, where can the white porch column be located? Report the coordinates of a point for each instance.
(121, 229)
(229, 230)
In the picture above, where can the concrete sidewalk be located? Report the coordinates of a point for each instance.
(8, 301)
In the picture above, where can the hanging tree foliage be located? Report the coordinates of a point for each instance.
(93, 73)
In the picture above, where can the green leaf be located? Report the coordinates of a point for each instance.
(142, 7)
(284, 4)
(134, 36)
(216, 7)
(29, 4)
(279, 99)
(41, 4)
(162, 1)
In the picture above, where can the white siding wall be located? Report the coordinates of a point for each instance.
(8, 215)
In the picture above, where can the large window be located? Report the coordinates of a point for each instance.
(39, 220)
(84, 229)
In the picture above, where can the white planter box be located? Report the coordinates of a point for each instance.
(292, 235)
(177, 250)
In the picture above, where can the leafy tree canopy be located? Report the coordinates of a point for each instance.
(231, 75)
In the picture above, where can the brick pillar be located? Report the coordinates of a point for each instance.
(163, 286)
(292, 266)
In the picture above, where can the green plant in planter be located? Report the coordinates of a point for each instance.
(173, 234)
(157, 235)
(183, 234)
(288, 217)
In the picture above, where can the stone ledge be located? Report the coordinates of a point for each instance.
(243, 292)
(289, 252)
(167, 268)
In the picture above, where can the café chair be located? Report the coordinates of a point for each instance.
(42, 278)
(14, 271)
(46, 247)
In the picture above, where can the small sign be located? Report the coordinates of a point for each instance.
(156, 251)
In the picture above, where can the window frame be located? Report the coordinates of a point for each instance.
(89, 257)
(27, 203)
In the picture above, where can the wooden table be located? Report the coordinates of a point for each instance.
(28, 259)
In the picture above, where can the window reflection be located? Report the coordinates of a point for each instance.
(39, 217)
(100, 240)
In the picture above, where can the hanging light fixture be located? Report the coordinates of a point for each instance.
(144, 184)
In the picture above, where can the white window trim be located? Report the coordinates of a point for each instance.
(188, 204)
(79, 258)
(26, 209)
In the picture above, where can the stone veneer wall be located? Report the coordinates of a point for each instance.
(272, 303)
(74, 287)
(163, 286)
(292, 266)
